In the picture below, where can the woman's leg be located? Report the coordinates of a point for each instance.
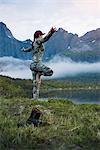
(42, 69)
(36, 84)
(46, 71)
(38, 80)
(37, 71)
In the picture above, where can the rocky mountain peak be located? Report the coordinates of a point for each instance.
(61, 30)
(91, 35)
(61, 43)
(4, 31)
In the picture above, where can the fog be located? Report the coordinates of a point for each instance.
(62, 67)
(15, 68)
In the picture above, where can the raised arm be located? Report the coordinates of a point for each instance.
(50, 33)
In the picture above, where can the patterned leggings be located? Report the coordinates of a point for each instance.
(41, 69)
(37, 71)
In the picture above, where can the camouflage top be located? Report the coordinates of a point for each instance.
(37, 48)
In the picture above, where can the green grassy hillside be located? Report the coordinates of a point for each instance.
(72, 127)
(23, 88)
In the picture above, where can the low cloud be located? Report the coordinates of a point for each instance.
(66, 67)
(15, 68)
(62, 67)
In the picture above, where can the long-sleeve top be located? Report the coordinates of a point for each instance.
(37, 48)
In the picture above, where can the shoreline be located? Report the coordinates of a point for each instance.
(69, 89)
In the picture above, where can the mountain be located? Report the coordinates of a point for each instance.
(62, 42)
(84, 48)
(9, 46)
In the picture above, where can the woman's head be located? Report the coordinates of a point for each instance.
(37, 34)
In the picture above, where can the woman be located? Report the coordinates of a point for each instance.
(36, 66)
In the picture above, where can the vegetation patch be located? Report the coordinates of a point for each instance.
(70, 126)
(10, 87)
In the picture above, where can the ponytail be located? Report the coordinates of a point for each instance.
(33, 42)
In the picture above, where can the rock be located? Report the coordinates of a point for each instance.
(34, 118)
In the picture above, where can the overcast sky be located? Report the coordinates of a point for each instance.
(24, 17)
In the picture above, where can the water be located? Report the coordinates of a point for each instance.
(76, 96)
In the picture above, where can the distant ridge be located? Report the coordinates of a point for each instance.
(9, 46)
(84, 48)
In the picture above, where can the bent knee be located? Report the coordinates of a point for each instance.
(49, 73)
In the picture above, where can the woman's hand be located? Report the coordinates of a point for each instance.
(23, 49)
(53, 29)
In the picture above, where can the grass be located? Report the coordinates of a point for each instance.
(71, 126)
(23, 88)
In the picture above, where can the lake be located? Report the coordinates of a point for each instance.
(76, 96)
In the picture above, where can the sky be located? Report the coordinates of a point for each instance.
(24, 17)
